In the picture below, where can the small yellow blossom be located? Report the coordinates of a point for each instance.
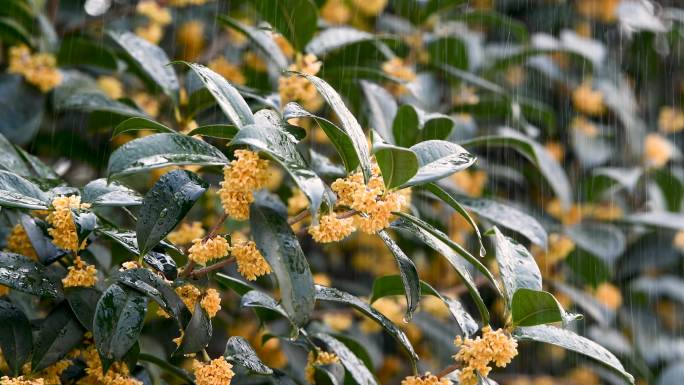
(80, 274)
(338, 321)
(396, 67)
(559, 247)
(465, 96)
(254, 62)
(657, 150)
(583, 376)
(129, 265)
(570, 216)
(241, 178)
(190, 38)
(556, 150)
(203, 251)
(21, 380)
(320, 358)
(19, 242)
(471, 182)
(63, 228)
(335, 12)
(152, 32)
(250, 263)
(434, 306)
(228, 70)
(155, 13)
(4, 290)
(117, 374)
(52, 373)
(297, 202)
(111, 86)
(427, 379)
(187, 3)
(211, 302)
(216, 372)
(476, 355)
(284, 45)
(322, 279)
(609, 295)
(294, 88)
(603, 10)
(148, 103)
(330, 228)
(584, 126)
(587, 100)
(189, 294)
(39, 69)
(186, 233)
(369, 8)
(670, 120)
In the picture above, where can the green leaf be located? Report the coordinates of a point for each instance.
(439, 159)
(334, 38)
(36, 166)
(355, 367)
(296, 20)
(162, 150)
(261, 40)
(22, 107)
(59, 333)
(77, 51)
(237, 285)
(23, 274)
(36, 230)
(448, 50)
(167, 367)
(408, 273)
(18, 192)
(15, 336)
(228, 98)
(338, 137)
(150, 60)
(382, 108)
(119, 318)
(397, 164)
(392, 285)
(658, 219)
(603, 240)
(80, 92)
(492, 19)
(279, 245)
(163, 263)
(281, 147)
(330, 294)
(517, 266)
(101, 193)
(573, 342)
(220, 131)
(128, 240)
(349, 123)
(239, 351)
(532, 307)
(137, 124)
(83, 302)
(406, 126)
(13, 32)
(441, 243)
(165, 205)
(197, 334)
(264, 304)
(10, 160)
(535, 153)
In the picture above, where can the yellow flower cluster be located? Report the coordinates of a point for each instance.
(190, 38)
(203, 251)
(560, 246)
(228, 70)
(587, 100)
(335, 12)
(189, 294)
(427, 379)
(477, 354)
(216, 372)
(298, 89)
(21, 380)
(657, 150)
(111, 86)
(397, 68)
(604, 10)
(609, 295)
(158, 17)
(241, 178)
(187, 3)
(52, 373)
(584, 126)
(577, 212)
(38, 69)
(374, 204)
(338, 321)
(4, 290)
(63, 228)
(250, 263)
(211, 302)
(330, 228)
(369, 7)
(670, 120)
(186, 233)
(471, 182)
(19, 242)
(320, 358)
(117, 374)
(80, 274)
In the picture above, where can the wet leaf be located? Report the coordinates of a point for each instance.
(10, 160)
(137, 124)
(162, 150)
(573, 342)
(18, 192)
(355, 367)
(151, 285)
(162, 263)
(281, 147)
(600, 239)
(101, 193)
(261, 301)
(438, 159)
(151, 60)
(22, 107)
(261, 40)
(407, 272)
(239, 351)
(83, 302)
(119, 318)
(197, 334)
(128, 240)
(59, 333)
(36, 230)
(382, 108)
(663, 219)
(334, 38)
(237, 285)
(279, 245)
(77, 51)
(21, 273)
(220, 131)
(296, 20)
(517, 267)
(165, 205)
(15, 336)
(397, 164)
(532, 307)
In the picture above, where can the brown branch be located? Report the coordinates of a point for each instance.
(299, 217)
(216, 228)
(210, 268)
(447, 370)
(187, 270)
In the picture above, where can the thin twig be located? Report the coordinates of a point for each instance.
(216, 228)
(187, 270)
(447, 370)
(210, 268)
(299, 217)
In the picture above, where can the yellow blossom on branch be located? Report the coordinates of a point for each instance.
(397, 68)
(118, 373)
(294, 88)
(203, 251)
(111, 86)
(330, 228)
(228, 70)
(241, 178)
(320, 358)
(427, 379)
(215, 372)
(211, 302)
(39, 69)
(19, 242)
(587, 100)
(250, 263)
(476, 355)
(63, 228)
(80, 274)
(21, 380)
(186, 233)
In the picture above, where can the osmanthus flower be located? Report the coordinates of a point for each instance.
(63, 228)
(21, 380)
(609, 295)
(241, 178)
(52, 374)
(186, 233)
(477, 355)
(426, 379)
(330, 228)
(211, 302)
(335, 12)
(80, 274)
(587, 100)
(190, 39)
(657, 150)
(369, 8)
(250, 262)
(203, 251)
(111, 86)
(559, 247)
(189, 294)
(154, 12)
(604, 10)
(19, 242)
(228, 70)
(39, 69)
(320, 357)
(396, 67)
(670, 120)
(216, 372)
(338, 321)
(118, 373)
(294, 88)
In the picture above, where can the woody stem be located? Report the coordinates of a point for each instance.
(447, 370)
(209, 269)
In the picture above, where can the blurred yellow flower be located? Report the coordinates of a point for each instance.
(670, 120)
(39, 69)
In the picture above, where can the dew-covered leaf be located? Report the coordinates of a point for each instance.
(517, 266)
(59, 333)
(21, 273)
(438, 159)
(83, 302)
(137, 123)
(407, 272)
(100, 193)
(296, 20)
(355, 367)
(397, 164)
(240, 352)
(532, 307)
(197, 334)
(18, 192)
(15, 336)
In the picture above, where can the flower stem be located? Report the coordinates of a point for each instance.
(209, 269)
